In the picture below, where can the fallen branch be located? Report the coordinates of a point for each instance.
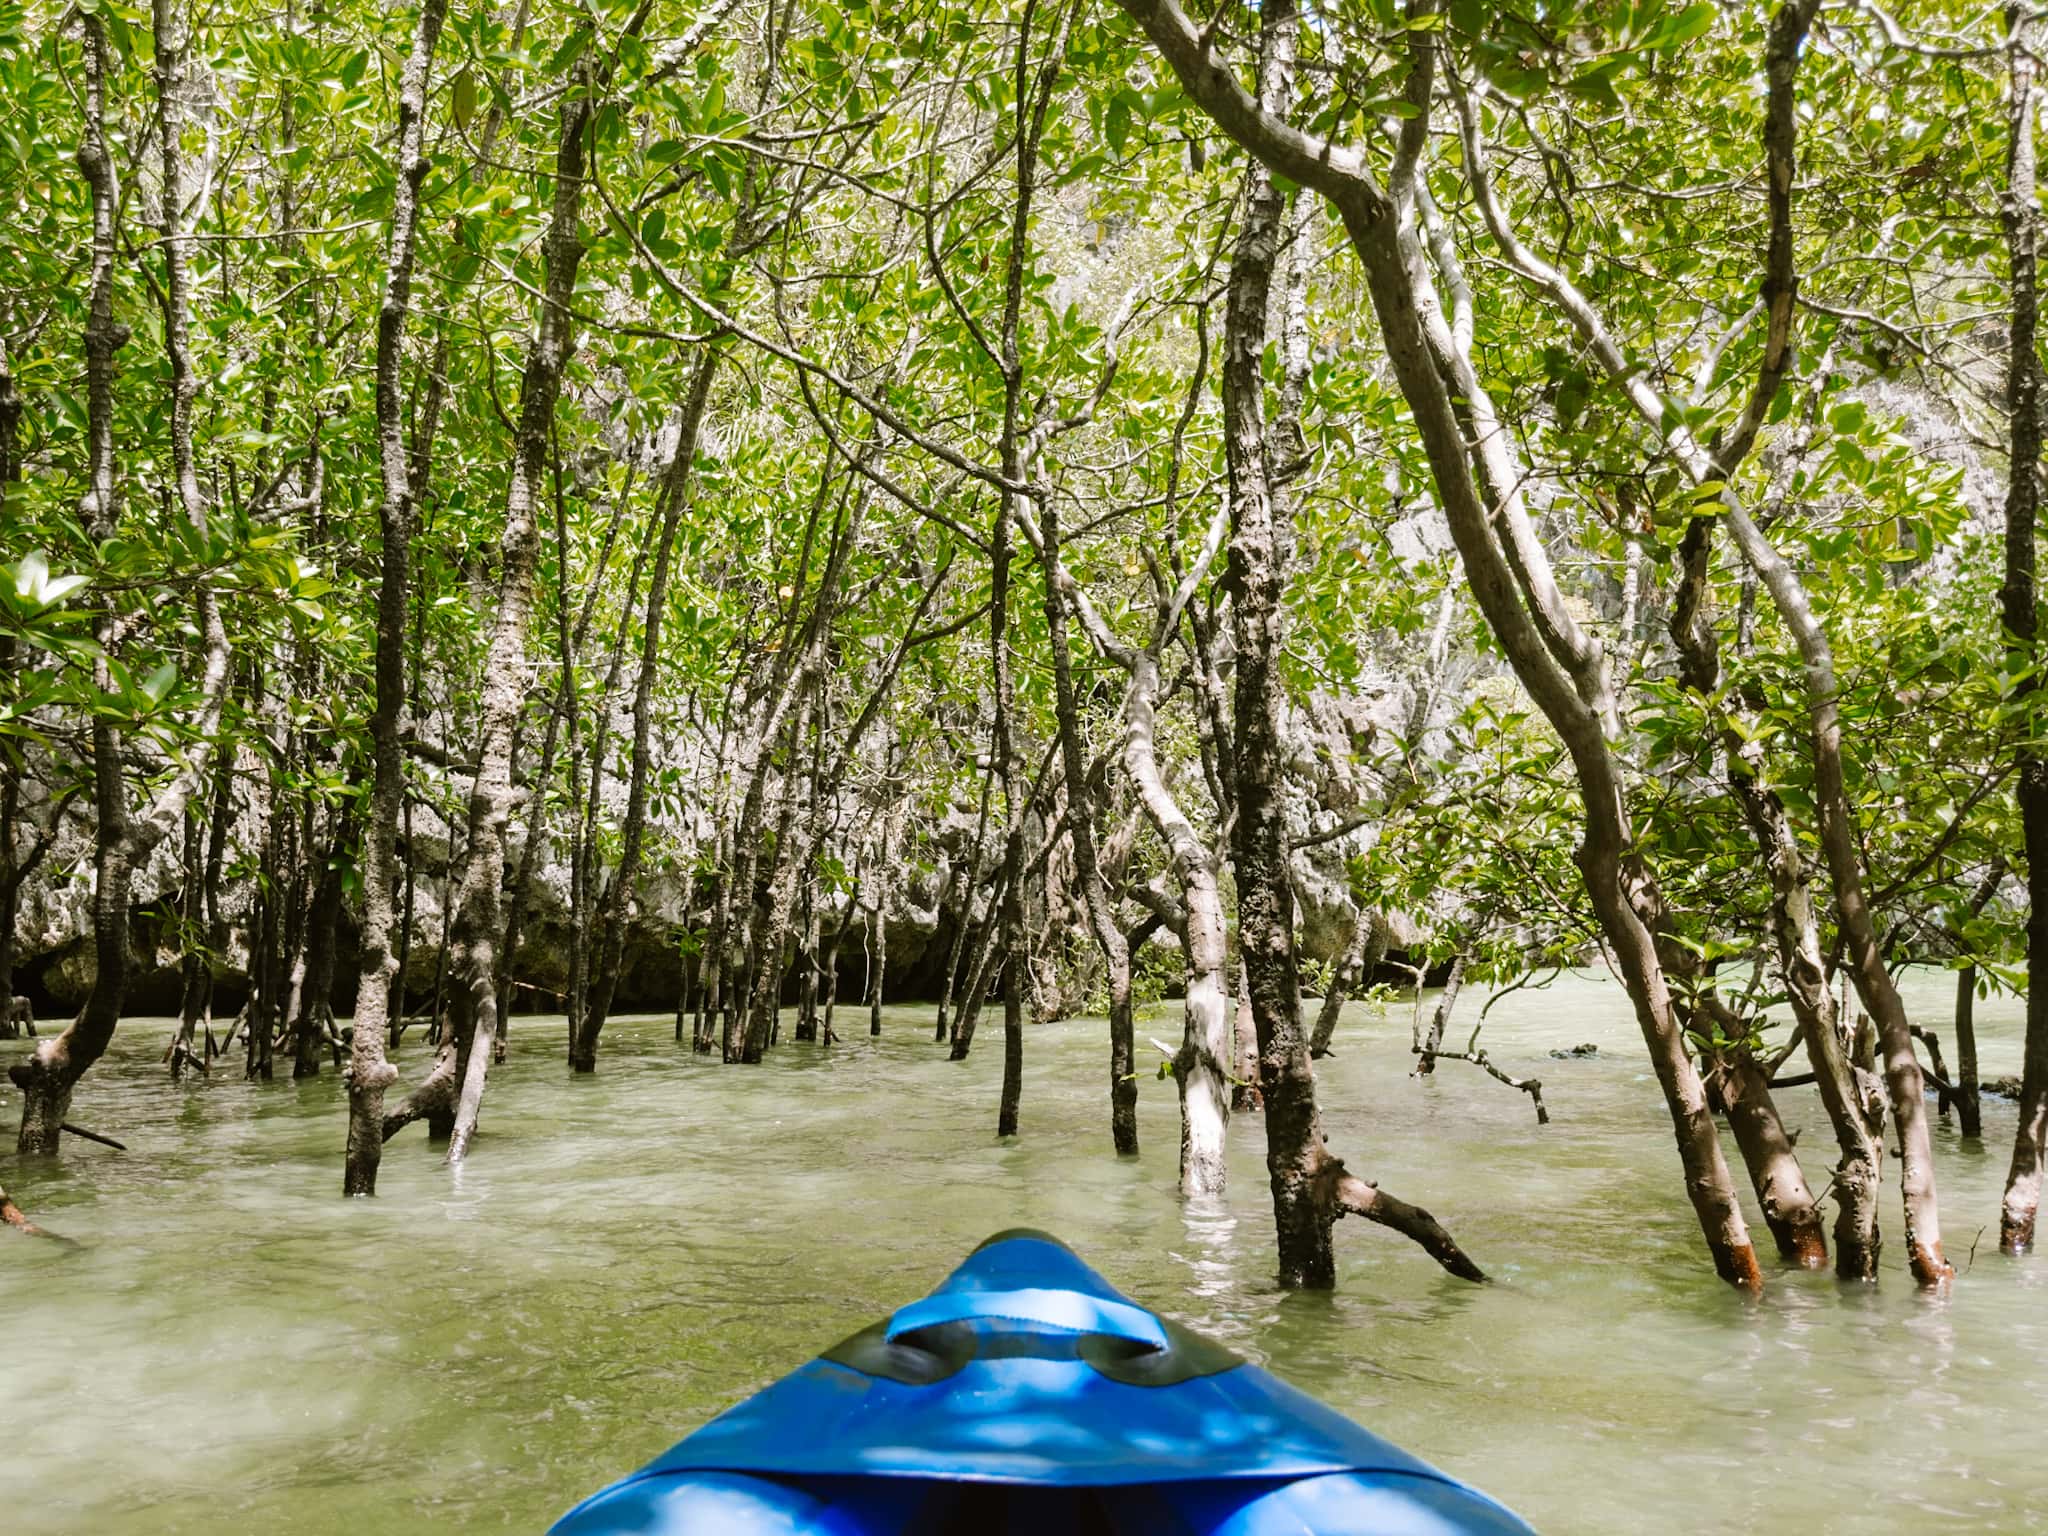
(1529, 1085)
(11, 1215)
(435, 1094)
(1353, 1196)
(83, 1134)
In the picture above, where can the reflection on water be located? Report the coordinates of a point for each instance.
(235, 1348)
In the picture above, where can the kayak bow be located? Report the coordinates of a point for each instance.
(1026, 1395)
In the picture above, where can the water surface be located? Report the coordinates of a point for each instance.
(235, 1348)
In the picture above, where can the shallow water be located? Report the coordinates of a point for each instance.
(235, 1348)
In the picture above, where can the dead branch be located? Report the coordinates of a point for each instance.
(12, 1215)
(85, 1135)
(1476, 1054)
(1353, 1196)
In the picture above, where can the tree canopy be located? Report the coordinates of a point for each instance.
(588, 504)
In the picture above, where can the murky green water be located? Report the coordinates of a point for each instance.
(235, 1348)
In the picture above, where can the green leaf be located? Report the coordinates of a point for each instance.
(1681, 27)
(157, 686)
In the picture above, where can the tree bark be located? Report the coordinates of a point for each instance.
(1202, 1066)
(1102, 923)
(1969, 1091)
(1261, 546)
(1200, 1070)
(807, 873)
(1309, 1185)
(1440, 1020)
(1836, 823)
(1790, 1211)
(569, 637)
(11, 407)
(965, 880)
(1361, 954)
(612, 917)
(880, 977)
(46, 1078)
(266, 927)
(763, 1002)
(1864, 955)
(10, 867)
(205, 929)
(1514, 595)
(732, 913)
(2019, 602)
(313, 1015)
(15, 869)
(1852, 1103)
(478, 920)
(369, 1074)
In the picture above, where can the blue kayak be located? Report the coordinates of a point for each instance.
(1026, 1396)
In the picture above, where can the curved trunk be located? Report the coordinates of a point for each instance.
(1863, 954)
(1781, 1190)
(982, 961)
(1837, 833)
(1439, 1020)
(1428, 363)
(369, 1074)
(1789, 1208)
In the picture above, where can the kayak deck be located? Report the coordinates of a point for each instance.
(1027, 1394)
